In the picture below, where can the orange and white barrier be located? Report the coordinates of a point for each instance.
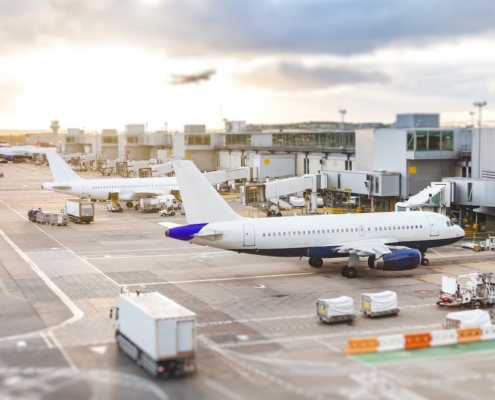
(419, 340)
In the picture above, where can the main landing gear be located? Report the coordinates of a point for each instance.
(424, 260)
(315, 262)
(348, 272)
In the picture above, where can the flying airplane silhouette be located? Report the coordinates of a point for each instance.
(183, 79)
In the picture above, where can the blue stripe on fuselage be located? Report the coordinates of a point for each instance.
(327, 251)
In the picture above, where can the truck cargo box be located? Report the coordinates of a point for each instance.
(80, 210)
(157, 332)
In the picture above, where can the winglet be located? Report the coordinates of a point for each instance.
(61, 172)
(203, 204)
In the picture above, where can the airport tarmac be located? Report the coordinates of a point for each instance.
(258, 335)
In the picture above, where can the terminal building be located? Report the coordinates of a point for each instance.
(382, 165)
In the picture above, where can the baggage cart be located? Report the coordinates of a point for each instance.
(379, 304)
(43, 218)
(60, 219)
(340, 309)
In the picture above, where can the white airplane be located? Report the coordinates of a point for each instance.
(13, 153)
(392, 241)
(128, 189)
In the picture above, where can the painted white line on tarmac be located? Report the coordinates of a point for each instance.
(222, 389)
(221, 279)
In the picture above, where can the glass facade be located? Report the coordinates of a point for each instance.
(198, 140)
(430, 140)
(238, 139)
(109, 139)
(326, 139)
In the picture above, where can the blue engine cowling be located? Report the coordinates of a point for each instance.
(400, 260)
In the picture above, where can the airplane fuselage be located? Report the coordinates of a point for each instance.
(317, 236)
(128, 189)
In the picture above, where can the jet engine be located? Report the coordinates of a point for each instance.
(400, 260)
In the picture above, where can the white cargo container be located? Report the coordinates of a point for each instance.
(340, 309)
(156, 332)
(379, 304)
(464, 319)
(80, 210)
(60, 219)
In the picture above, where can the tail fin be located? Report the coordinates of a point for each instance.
(201, 201)
(38, 143)
(61, 172)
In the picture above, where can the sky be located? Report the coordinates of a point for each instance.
(102, 64)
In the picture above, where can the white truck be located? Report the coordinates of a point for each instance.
(156, 332)
(149, 205)
(80, 210)
(379, 304)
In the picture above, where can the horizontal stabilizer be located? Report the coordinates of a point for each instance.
(209, 235)
(169, 224)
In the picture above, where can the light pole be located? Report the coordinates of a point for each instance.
(480, 105)
(342, 113)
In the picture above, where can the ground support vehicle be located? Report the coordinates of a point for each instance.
(340, 309)
(113, 206)
(379, 304)
(474, 290)
(156, 332)
(167, 211)
(32, 214)
(43, 218)
(488, 244)
(80, 210)
(464, 319)
(60, 219)
(149, 205)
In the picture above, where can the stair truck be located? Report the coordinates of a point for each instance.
(80, 210)
(156, 332)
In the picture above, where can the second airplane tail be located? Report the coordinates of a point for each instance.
(61, 171)
(202, 202)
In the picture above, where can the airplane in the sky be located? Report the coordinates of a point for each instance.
(391, 241)
(128, 189)
(13, 153)
(181, 79)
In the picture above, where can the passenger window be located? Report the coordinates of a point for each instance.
(380, 228)
(369, 229)
(269, 234)
(347, 230)
(263, 234)
(333, 231)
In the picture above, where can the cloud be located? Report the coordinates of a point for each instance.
(191, 28)
(295, 77)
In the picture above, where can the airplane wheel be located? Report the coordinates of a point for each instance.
(425, 261)
(172, 213)
(129, 204)
(279, 214)
(351, 272)
(477, 304)
(343, 271)
(310, 261)
(317, 262)
(371, 262)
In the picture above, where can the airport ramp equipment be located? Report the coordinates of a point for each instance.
(438, 196)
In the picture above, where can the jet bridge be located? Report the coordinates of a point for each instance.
(280, 187)
(437, 197)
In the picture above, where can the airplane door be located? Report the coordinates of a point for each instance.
(433, 226)
(85, 187)
(248, 235)
(361, 230)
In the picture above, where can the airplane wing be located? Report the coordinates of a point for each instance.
(147, 194)
(366, 248)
